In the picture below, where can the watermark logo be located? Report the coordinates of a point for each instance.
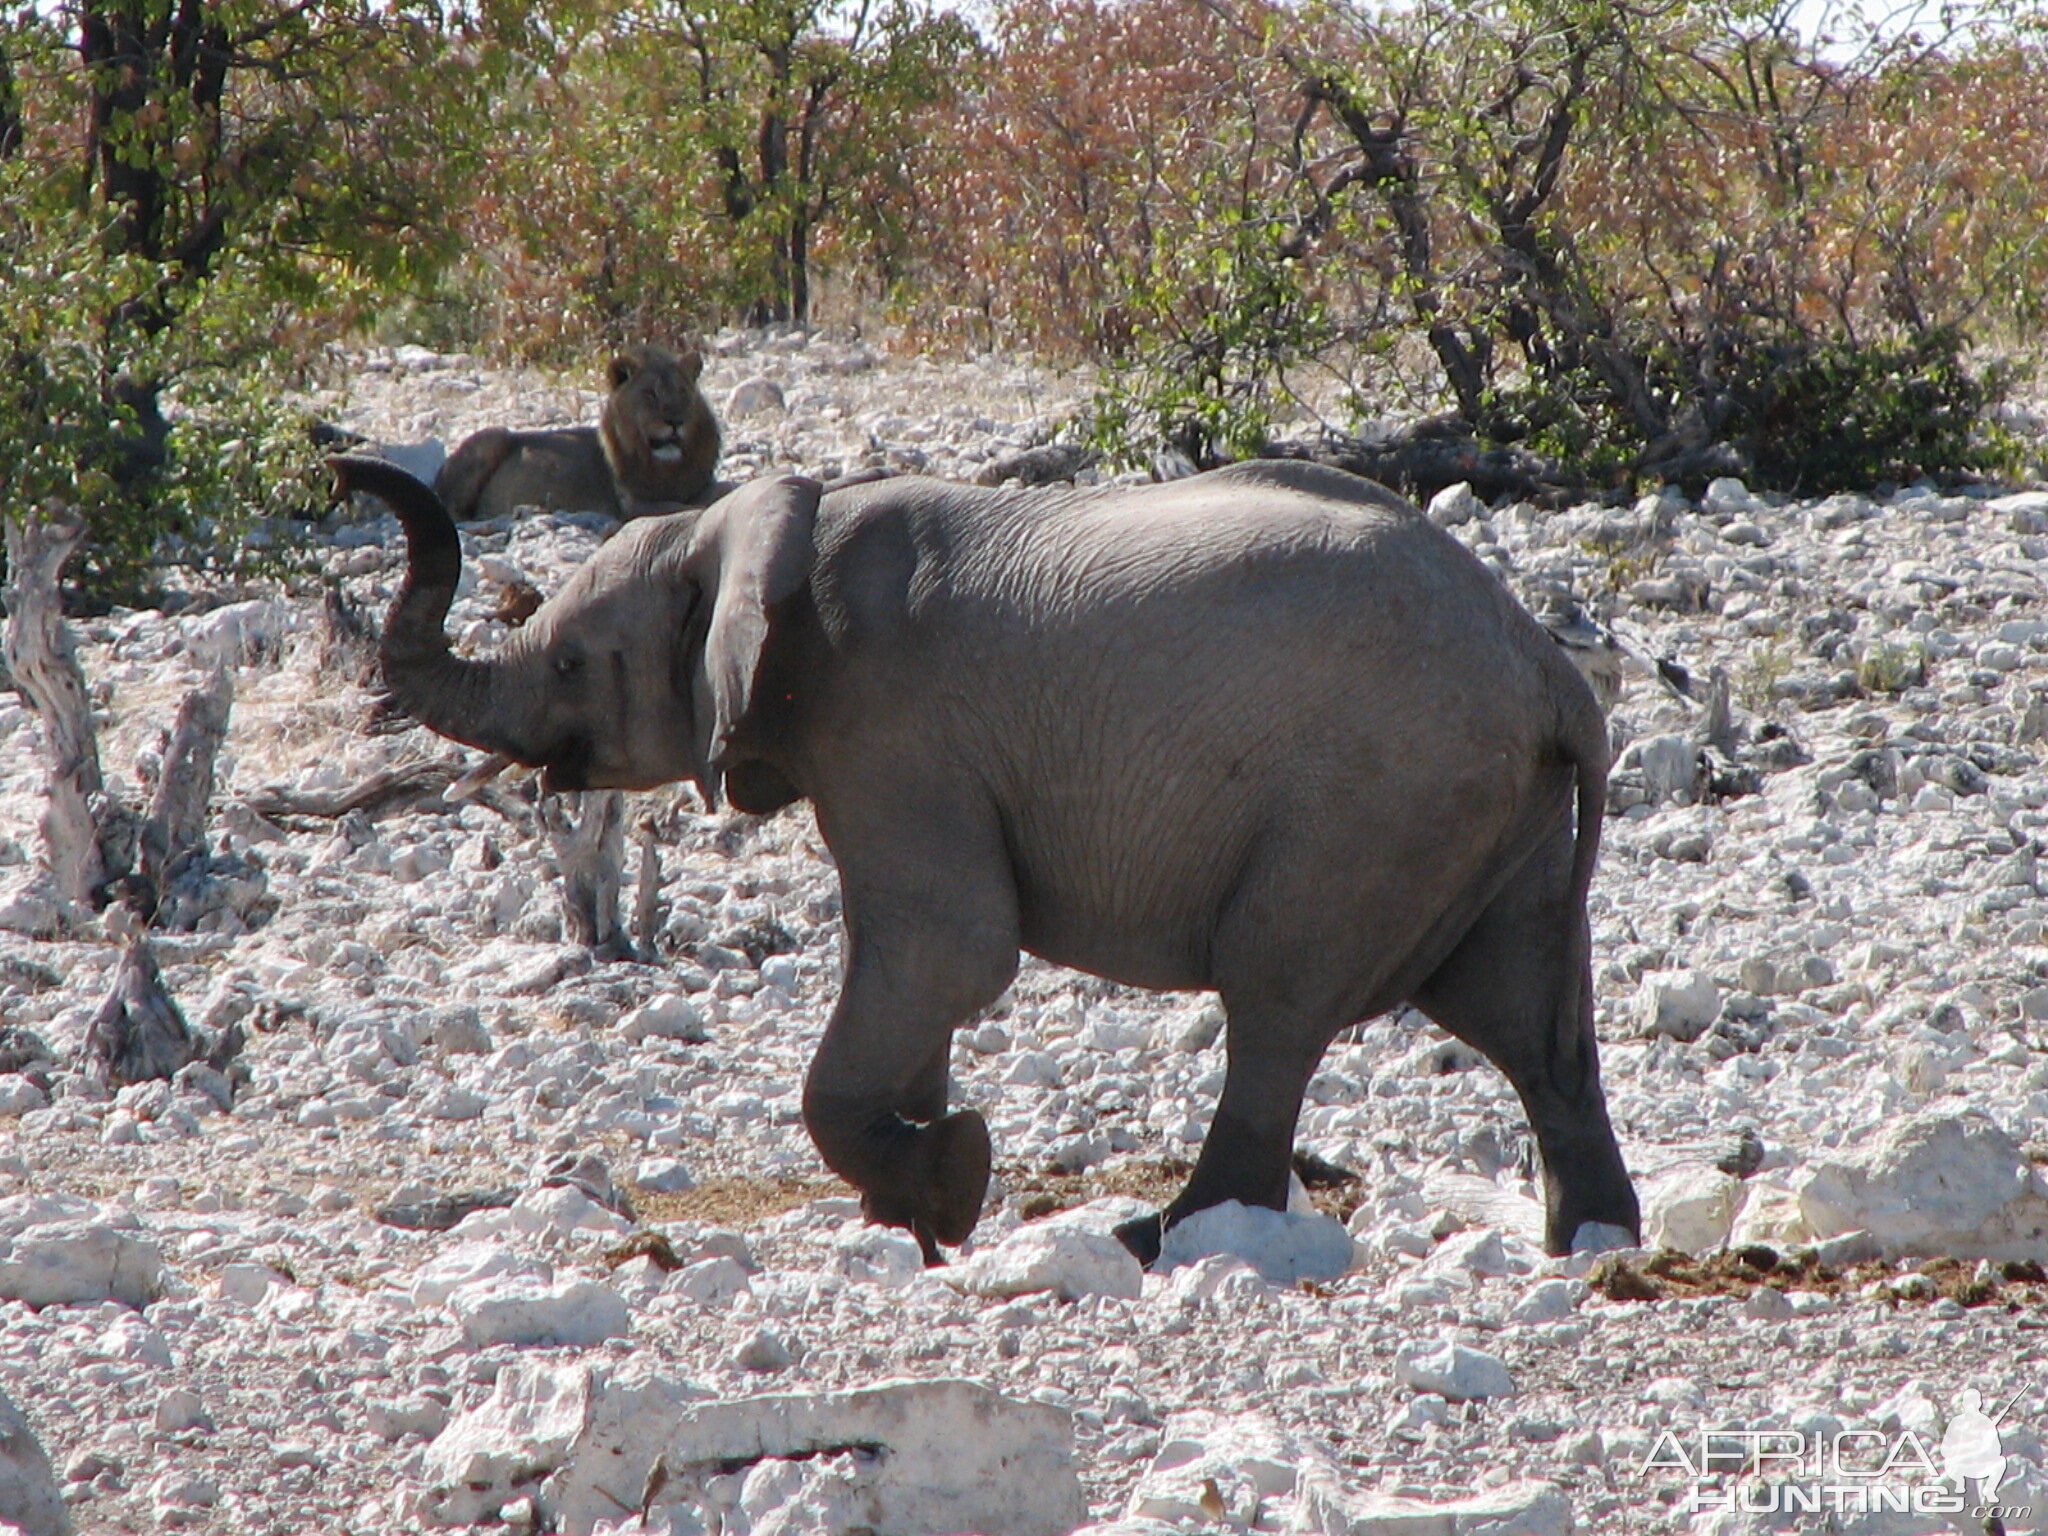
(1972, 1447)
(1851, 1471)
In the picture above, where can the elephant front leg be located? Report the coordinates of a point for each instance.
(1249, 1151)
(875, 1096)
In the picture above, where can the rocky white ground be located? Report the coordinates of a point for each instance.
(1823, 983)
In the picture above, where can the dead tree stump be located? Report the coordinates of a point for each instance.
(647, 903)
(590, 846)
(176, 828)
(44, 662)
(139, 1032)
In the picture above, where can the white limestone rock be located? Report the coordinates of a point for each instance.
(671, 1016)
(1513, 1509)
(662, 1176)
(1770, 1214)
(1549, 1301)
(1933, 1185)
(1690, 1207)
(1283, 1246)
(711, 1282)
(1455, 1372)
(499, 1451)
(1455, 505)
(1241, 1459)
(29, 1496)
(1728, 497)
(883, 1256)
(1067, 1260)
(1480, 1255)
(754, 395)
(395, 1418)
(77, 1260)
(521, 1310)
(1681, 1004)
(953, 1455)
(467, 1262)
(31, 905)
(248, 1284)
(558, 1213)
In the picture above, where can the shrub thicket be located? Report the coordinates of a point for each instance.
(1658, 243)
(190, 197)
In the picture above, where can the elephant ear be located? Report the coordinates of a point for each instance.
(752, 552)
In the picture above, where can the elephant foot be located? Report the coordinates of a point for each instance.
(942, 1180)
(1586, 1185)
(1144, 1236)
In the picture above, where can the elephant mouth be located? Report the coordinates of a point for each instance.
(565, 769)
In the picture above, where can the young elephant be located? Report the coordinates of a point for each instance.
(654, 449)
(1265, 731)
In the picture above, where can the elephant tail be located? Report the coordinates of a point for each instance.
(1583, 741)
(1585, 746)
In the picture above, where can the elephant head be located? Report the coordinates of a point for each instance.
(639, 672)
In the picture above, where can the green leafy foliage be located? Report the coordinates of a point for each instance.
(1221, 317)
(191, 198)
(186, 480)
(1842, 416)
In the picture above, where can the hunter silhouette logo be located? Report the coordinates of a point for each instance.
(1971, 1446)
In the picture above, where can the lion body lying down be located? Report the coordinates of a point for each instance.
(655, 448)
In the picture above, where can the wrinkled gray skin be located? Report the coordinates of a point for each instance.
(1265, 731)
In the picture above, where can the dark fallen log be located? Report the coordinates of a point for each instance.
(1422, 462)
(1691, 466)
(438, 1213)
(1048, 464)
(405, 783)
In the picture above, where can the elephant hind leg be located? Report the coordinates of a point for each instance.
(1518, 989)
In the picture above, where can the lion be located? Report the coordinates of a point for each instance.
(655, 448)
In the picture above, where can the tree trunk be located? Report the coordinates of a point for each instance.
(647, 908)
(1389, 169)
(591, 849)
(10, 107)
(40, 654)
(139, 1033)
(799, 268)
(177, 818)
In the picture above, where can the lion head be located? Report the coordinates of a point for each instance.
(660, 437)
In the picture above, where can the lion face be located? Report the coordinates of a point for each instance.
(659, 434)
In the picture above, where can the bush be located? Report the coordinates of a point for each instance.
(182, 481)
(1654, 244)
(1223, 317)
(1842, 416)
(191, 199)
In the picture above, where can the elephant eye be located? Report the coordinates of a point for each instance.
(568, 663)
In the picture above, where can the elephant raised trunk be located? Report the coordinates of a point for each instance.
(446, 693)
